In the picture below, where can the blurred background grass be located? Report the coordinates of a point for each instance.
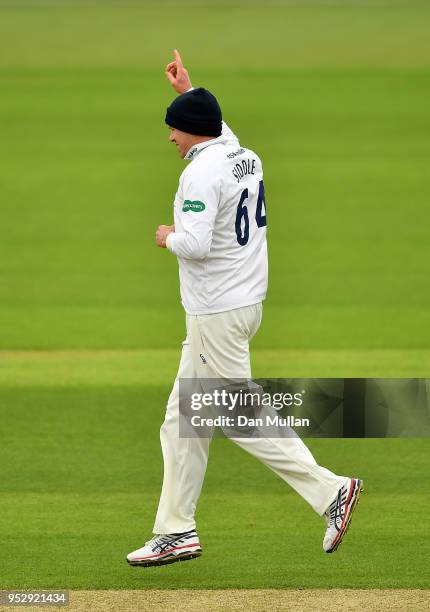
(333, 96)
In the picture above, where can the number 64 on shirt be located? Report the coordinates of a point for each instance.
(242, 217)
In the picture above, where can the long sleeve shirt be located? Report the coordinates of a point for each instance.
(220, 227)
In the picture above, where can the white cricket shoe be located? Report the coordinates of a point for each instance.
(163, 549)
(339, 514)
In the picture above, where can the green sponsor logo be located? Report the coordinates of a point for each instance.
(193, 205)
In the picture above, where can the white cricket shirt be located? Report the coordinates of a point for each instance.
(220, 227)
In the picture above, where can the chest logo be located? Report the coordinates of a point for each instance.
(193, 205)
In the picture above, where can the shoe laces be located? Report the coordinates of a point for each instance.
(159, 539)
(162, 541)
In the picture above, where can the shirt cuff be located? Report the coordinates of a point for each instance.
(170, 241)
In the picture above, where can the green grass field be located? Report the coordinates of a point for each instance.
(82, 469)
(335, 98)
(81, 474)
(335, 106)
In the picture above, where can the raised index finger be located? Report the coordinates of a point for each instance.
(177, 57)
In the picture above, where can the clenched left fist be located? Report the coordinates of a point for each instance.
(162, 233)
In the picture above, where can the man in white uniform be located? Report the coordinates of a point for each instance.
(219, 238)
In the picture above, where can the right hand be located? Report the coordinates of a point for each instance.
(178, 75)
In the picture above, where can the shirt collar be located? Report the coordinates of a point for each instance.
(197, 148)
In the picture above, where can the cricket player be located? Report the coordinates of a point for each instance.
(219, 239)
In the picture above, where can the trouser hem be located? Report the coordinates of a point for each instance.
(164, 530)
(323, 507)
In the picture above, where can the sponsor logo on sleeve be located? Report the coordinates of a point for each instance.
(193, 206)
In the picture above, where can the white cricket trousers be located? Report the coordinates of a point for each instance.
(223, 341)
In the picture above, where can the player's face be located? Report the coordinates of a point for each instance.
(182, 140)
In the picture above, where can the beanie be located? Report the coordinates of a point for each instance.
(195, 112)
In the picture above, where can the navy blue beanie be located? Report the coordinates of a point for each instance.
(195, 112)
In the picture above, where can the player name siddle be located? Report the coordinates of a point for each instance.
(244, 421)
(243, 168)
